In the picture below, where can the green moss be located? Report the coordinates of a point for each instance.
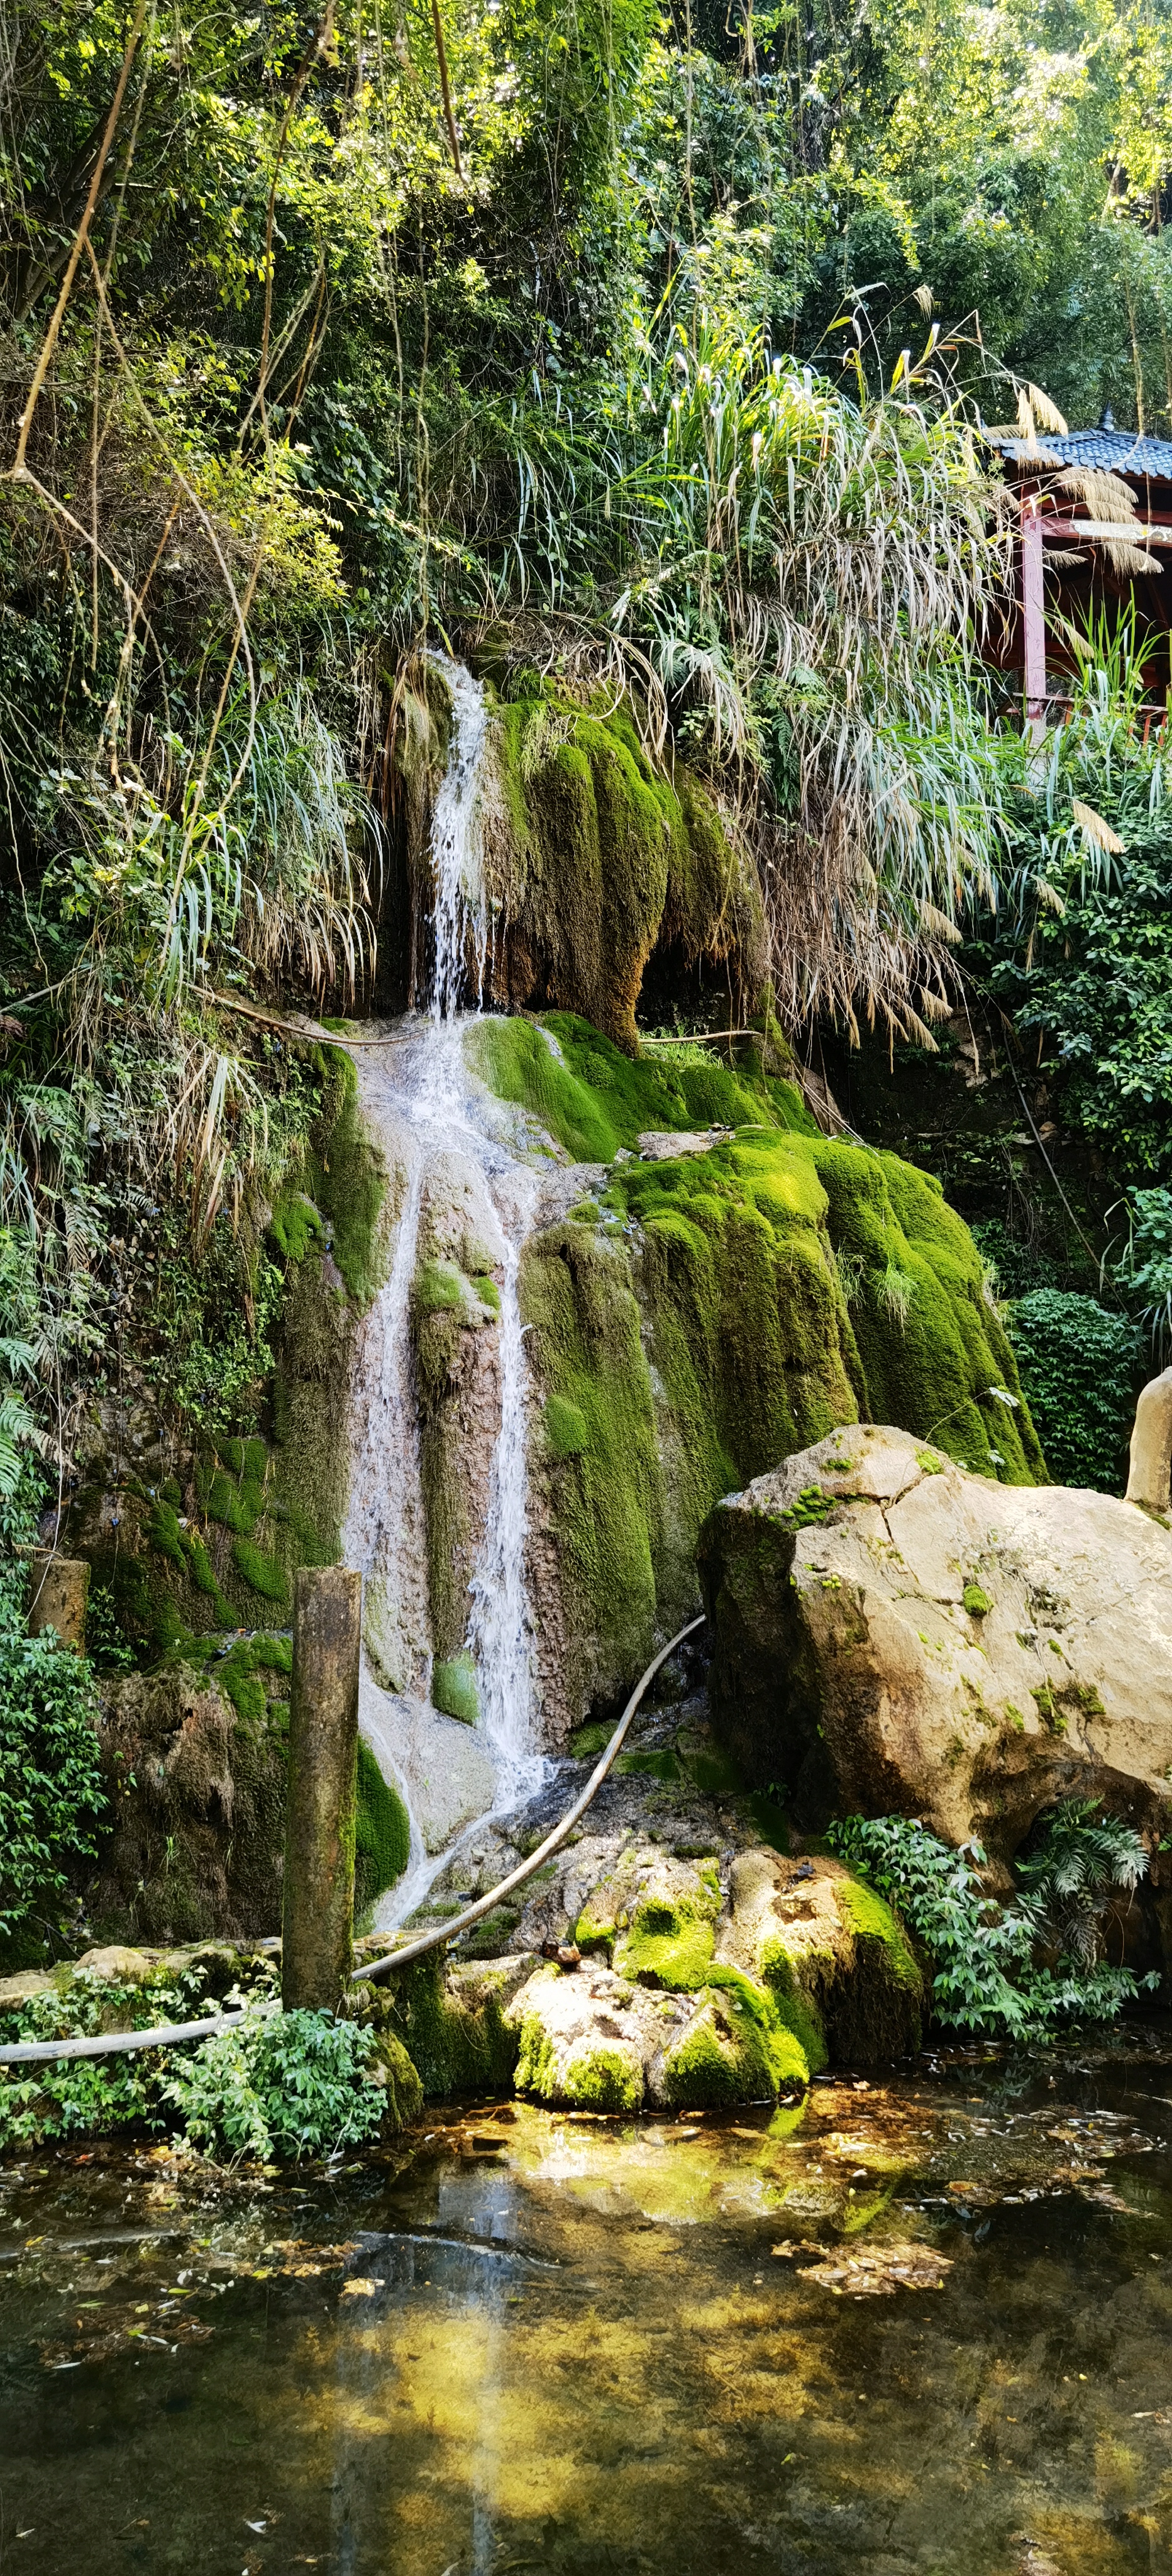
(589, 1741)
(453, 1688)
(797, 2010)
(536, 2061)
(295, 1225)
(658, 1765)
(456, 2034)
(667, 1946)
(346, 1181)
(592, 1098)
(602, 2079)
(737, 2050)
(262, 1573)
(874, 2010)
(873, 1920)
(382, 1833)
(976, 1602)
(438, 1288)
(567, 1433)
(487, 1291)
(585, 1343)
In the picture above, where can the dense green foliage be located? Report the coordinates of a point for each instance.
(1080, 1864)
(50, 1785)
(1080, 1366)
(1082, 956)
(276, 2084)
(286, 2084)
(605, 350)
(985, 1977)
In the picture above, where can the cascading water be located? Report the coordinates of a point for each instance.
(455, 845)
(417, 1099)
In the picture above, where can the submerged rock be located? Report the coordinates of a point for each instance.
(894, 1635)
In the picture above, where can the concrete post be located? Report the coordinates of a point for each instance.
(318, 1900)
(1151, 1445)
(58, 1594)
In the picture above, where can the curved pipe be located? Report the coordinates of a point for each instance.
(484, 1904)
(116, 2043)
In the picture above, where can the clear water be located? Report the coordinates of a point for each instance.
(575, 2350)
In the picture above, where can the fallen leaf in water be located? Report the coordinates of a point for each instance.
(361, 2289)
(878, 2275)
(977, 2192)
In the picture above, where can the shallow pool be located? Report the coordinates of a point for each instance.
(923, 2325)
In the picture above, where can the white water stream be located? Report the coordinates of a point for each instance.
(418, 1100)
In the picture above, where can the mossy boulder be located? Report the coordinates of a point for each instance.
(456, 2025)
(693, 1321)
(892, 1635)
(834, 1957)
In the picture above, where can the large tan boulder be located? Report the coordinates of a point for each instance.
(892, 1635)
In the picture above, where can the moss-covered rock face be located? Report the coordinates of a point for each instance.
(695, 1320)
(457, 2028)
(455, 1309)
(210, 1537)
(196, 1791)
(594, 858)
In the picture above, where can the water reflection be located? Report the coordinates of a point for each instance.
(576, 2346)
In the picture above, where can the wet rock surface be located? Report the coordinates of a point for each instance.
(893, 1635)
(711, 1967)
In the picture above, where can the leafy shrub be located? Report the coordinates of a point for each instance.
(79, 2097)
(280, 2083)
(982, 1955)
(1146, 1269)
(1080, 1367)
(276, 2084)
(50, 1789)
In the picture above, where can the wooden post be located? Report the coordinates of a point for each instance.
(1151, 1445)
(1033, 615)
(59, 1589)
(318, 1898)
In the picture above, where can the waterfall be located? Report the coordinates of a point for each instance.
(456, 846)
(500, 1629)
(417, 1099)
